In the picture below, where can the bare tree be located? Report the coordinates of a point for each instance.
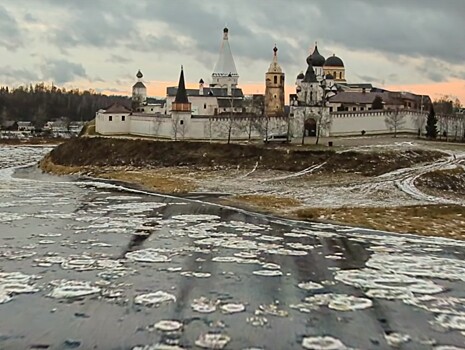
(395, 120)
(323, 123)
(175, 125)
(183, 128)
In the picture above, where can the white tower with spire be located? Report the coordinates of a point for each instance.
(225, 74)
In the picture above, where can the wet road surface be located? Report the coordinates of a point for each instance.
(91, 265)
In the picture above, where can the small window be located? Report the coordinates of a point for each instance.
(181, 122)
(123, 118)
(110, 118)
(354, 109)
(275, 79)
(340, 75)
(204, 106)
(151, 109)
(274, 96)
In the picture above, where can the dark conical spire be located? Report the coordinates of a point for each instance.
(181, 94)
(310, 76)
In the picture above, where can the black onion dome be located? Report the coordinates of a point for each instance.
(301, 75)
(316, 58)
(334, 61)
(139, 75)
(225, 30)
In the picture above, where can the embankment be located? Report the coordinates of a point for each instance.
(96, 152)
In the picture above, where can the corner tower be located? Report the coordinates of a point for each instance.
(225, 73)
(274, 88)
(181, 111)
(139, 92)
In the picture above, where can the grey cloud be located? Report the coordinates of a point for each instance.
(28, 17)
(118, 59)
(397, 29)
(10, 33)
(61, 71)
(101, 24)
(13, 75)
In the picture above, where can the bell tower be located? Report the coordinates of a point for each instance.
(274, 88)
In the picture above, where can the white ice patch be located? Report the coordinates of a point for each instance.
(289, 252)
(136, 207)
(296, 235)
(268, 273)
(155, 298)
(309, 285)
(387, 279)
(439, 305)
(195, 218)
(397, 339)
(149, 255)
(339, 302)
(257, 321)
(79, 263)
(4, 297)
(168, 325)
(204, 305)
(17, 283)
(195, 274)
(73, 289)
(453, 322)
(389, 294)
(349, 303)
(159, 346)
(246, 255)
(271, 309)
(232, 308)
(269, 238)
(212, 341)
(322, 343)
(271, 266)
(447, 347)
(419, 266)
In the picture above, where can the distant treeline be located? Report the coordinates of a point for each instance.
(40, 103)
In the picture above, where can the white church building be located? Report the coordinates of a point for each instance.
(324, 105)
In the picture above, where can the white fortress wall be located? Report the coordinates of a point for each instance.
(353, 123)
(112, 124)
(154, 126)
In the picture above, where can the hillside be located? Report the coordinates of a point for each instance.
(365, 185)
(144, 153)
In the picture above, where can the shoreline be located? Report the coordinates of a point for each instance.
(444, 219)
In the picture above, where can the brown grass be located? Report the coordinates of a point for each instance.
(264, 203)
(48, 166)
(433, 220)
(153, 180)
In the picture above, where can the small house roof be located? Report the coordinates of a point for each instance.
(116, 108)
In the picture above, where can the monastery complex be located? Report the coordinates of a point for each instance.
(324, 104)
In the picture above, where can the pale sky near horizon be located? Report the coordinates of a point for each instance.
(411, 45)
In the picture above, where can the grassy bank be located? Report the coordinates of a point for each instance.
(183, 167)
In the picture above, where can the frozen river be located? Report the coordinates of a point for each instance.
(92, 265)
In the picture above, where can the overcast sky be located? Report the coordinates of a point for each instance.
(415, 45)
